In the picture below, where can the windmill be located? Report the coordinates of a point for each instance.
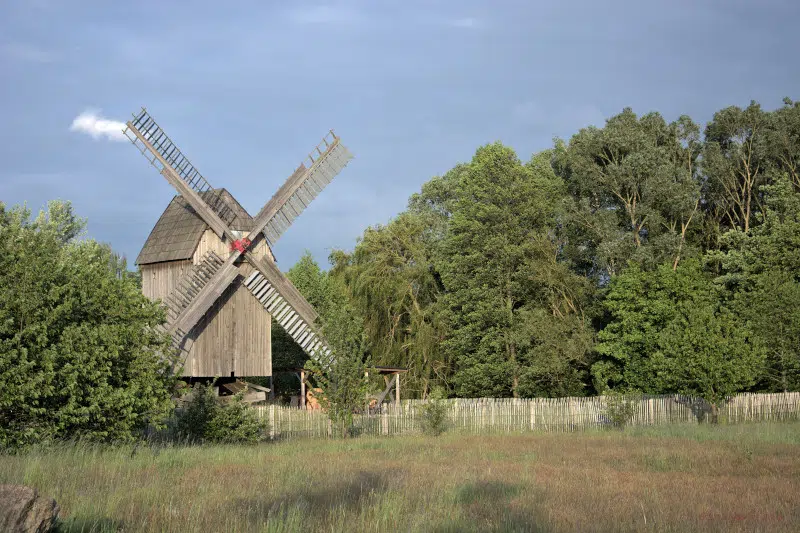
(206, 253)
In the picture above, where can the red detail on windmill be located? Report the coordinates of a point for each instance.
(241, 245)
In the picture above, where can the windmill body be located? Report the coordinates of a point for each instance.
(211, 263)
(233, 337)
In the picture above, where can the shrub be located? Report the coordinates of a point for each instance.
(620, 408)
(433, 416)
(81, 356)
(205, 419)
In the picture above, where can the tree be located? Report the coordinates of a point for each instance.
(735, 163)
(342, 381)
(706, 352)
(80, 354)
(498, 264)
(635, 192)
(311, 281)
(395, 286)
(783, 141)
(670, 332)
(760, 271)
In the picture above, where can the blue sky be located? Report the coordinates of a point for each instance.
(247, 88)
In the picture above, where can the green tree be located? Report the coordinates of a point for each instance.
(80, 350)
(783, 141)
(498, 264)
(635, 193)
(735, 161)
(669, 332)
(311, 281)
(760, 270)
(706, 352)
(392, 279)
(342, 377)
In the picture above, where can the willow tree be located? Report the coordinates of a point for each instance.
(392, 281)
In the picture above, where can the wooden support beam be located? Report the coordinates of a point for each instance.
(397, 390)
(302, 389)
(389, 387)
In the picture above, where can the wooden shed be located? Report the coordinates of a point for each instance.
(233, 338)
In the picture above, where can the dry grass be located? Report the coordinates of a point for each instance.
(727, 478)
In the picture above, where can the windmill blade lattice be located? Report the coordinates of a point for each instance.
(302, 333)
(179, 163)
(326, 160)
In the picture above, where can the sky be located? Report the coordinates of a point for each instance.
(247, 88)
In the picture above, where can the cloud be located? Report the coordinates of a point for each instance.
(467, 22)
(91, 123)
(26, 52)
(325, 14)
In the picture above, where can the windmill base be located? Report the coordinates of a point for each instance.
(226, 388)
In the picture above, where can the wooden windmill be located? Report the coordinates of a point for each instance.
(206, 254)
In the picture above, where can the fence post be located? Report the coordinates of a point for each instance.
(272, 422)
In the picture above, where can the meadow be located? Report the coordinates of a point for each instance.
(743, 477)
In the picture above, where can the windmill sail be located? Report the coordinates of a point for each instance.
(289, 319)
(327, 159)
(198, 290)
(159, 149)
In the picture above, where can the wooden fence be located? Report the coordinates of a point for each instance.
(506, 415)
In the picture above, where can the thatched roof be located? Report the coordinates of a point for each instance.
(177, 233)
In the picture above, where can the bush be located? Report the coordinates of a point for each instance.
(205, 419)
(620, 408)
(433, 416)
(81, 356)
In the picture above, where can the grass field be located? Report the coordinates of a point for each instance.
(669, 478)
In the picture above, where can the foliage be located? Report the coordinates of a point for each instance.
(80, 354)
(634, 192)
(206, 420)
(498, 264)
(433, 416)
(310, 280)
(393, 281)
(342, 378)
(670, 333)
(620, 407)
(760, 271)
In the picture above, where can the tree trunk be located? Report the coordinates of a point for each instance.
(714, 413)
(515, 379)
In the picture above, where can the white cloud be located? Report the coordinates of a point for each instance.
(325, 14)
(26, 52)
(91, 123)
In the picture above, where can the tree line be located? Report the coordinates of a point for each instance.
(643, 255)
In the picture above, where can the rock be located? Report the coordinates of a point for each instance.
(23, 510)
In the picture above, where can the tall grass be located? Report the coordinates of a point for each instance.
(662, 478)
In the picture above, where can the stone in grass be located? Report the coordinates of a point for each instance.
(23, 510)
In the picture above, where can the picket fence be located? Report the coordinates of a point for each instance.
(508, 415)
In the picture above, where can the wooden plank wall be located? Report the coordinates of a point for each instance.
(235, 335)
(158, 279)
